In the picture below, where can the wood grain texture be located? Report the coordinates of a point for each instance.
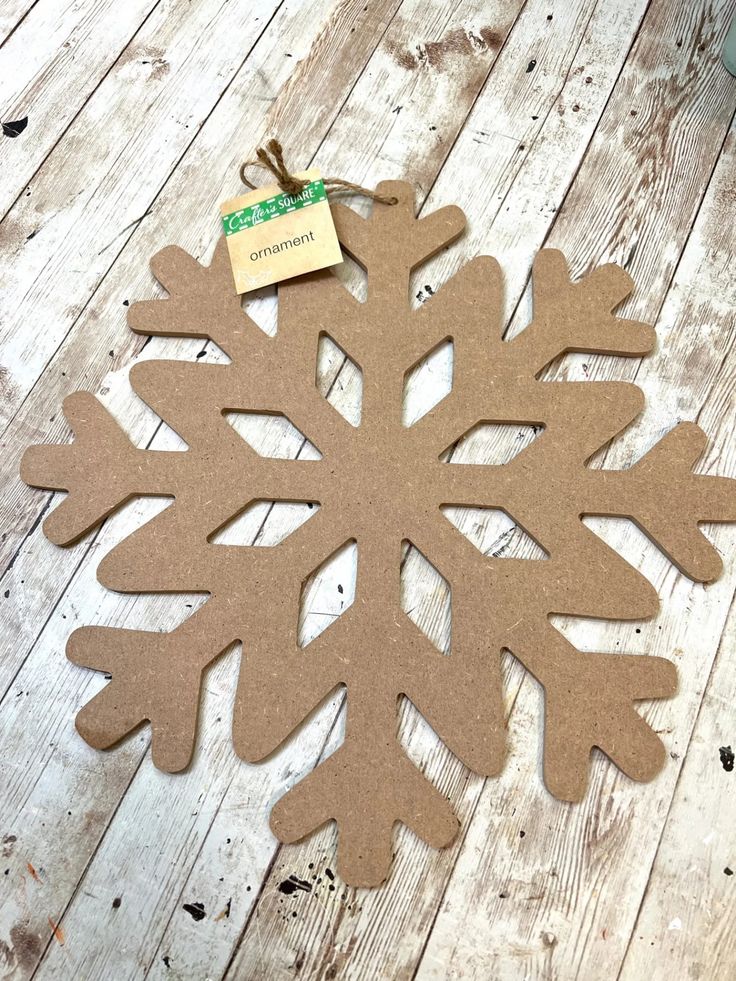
(50, 66)
(682, 928)
(101, 180)
(12, 14)
(478, 62)
(299, 28)
(595, 131)
(607, 845)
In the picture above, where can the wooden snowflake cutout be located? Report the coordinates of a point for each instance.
(382, 484)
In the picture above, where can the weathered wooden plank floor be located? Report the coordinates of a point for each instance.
(605, 129)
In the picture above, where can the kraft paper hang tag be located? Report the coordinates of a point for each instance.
(273, 236)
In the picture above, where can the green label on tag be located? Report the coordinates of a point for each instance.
(275, 207)
(264, 252)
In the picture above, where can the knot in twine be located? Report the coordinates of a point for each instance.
(271, 158)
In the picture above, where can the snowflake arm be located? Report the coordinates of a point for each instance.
(101, 470)
(589, 702)
(667, 500)
(149, 682)
(578, 316)
(202, 302)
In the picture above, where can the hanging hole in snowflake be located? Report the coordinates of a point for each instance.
(428, 382)
(353, 277)
(339, 379)
(327, 592)
(264, 523)
(426, 597)
(272, 435)
(493, 443)
(494, 533)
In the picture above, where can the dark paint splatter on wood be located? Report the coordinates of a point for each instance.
(195, 910)
(728, 871)
(531, 66)
(727, 758)
(330, 875)
(15, 128)
(225, 913)
(294, 884)
(116, 902)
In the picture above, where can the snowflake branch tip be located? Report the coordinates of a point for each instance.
(99, 469)
(589, 702)
(672, 501)
(361, 779)
(577, 316)
(148, 685)
(404, 241)
(202, 301)
(254, 701)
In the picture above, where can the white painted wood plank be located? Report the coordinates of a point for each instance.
(329, 75)
(100, 180)
(49, 68)
(402, 913)
(472, 66)
(12, 13)
(602, 850)
(107, 761)
(684, 926)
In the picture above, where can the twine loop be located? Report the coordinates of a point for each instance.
(271, 158)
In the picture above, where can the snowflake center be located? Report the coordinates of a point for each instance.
(389, 496)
